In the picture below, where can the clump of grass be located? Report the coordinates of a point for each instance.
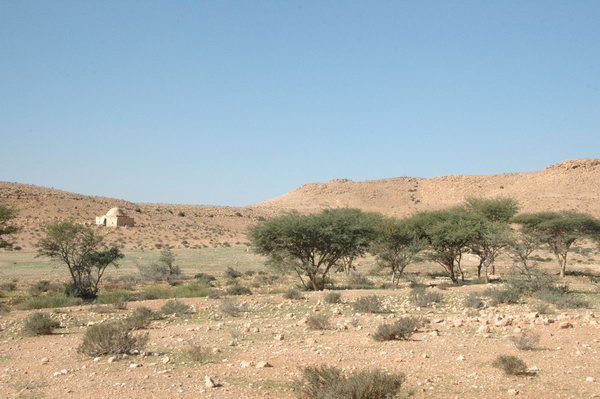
(205, 278)
(541, 308)
(238, 290)
(422, 297)
(505, 296)
(111, 338)
(318, 322)
(358, 280)
(561, 298)
(8, 287)
(332, 297)
(41, 287)
(198, 354)
(402, 329)
(325, 382)
(215, 294)
(526, 340)
(140, 318)
(174, 307)
(368, 304)
(39, 323)
(189, 290)
(511, 365)
(116, 297)
(292, 294)
(229, 308)
(4, 309)
(474, 301)
(51, 301)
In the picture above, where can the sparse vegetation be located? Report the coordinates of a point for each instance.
(511, 365)
(39, 324)
(111, 338)
(318, 322)
(140, 318)
(401, 329)
(474, 301)
(368, 304)
(238, 290)
(422, 297)
(526, 340)
(174, 307)
(198, 354)
(293, 294)
(229, 308)
(326, 382)
(332, 297)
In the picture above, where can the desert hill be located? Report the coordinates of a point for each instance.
(156, 224)
(573, 184)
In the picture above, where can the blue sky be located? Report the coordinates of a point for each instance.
(233, 102)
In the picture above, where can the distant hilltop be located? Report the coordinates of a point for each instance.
(572, 184)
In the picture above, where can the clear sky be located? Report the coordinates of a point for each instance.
(234, 102)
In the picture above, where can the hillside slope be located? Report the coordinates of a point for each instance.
(573, 184)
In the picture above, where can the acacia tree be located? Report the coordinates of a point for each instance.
(397, 245)
(559, 231)
(313, 245)
(497, 235)
(7, 214)
(80, 249)
(450, 233)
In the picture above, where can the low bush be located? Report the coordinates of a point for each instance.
(422, 297)
(357, 280)
(292, 294)
(153, 271)
(505, 296)
(189, 290)
(231, 273)
(140, 318)
(474, 301)
(561, 298)
(51, 301)
(111, 338)
(541, 308)
(39, 324)
(511, 365)
(332, 297)
(205, 278)
(215, 294)
(229, 308)
(115, 297)
(173, 307)
(41, 287)
(526, 340)
(198, 354)
(238, 290)
(318, 322)
(9, 287)
(325, 382)
(402, 329)
(4, 309)
(368, 304)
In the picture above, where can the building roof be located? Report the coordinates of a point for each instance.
(115, 212)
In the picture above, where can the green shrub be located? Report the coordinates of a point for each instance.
(175, 307)
(189, 290)
(422, 297)
(506, 296)
(325, 382)
(511, 365)
(473, 300)
(249, 273)
(111, 338)
(115, 297)
(205, 278)
(292, 294)
(9, 287)
(51, 301)
(317, 322)
(231, 273)
(368, 304)
(332, 297)
(238, 290)
(526, 340)
(402, 329)
(39, 324)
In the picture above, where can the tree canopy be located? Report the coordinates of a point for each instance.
(313, 245)
(7, 214)
(80, 249)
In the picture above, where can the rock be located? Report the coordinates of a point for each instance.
(112, 359)
(279, 337)
(460, 357)
(513, 392)
(565, 324)
(232, 343)
(97, 359)
(134, 365)
(165, 359)
(484, 329)
(590, 379)
(45, 360)
(209, 382)
(263, 364)
(245, 364)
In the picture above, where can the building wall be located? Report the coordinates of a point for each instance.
(115, 221)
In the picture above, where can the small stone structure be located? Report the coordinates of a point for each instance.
(114, 218)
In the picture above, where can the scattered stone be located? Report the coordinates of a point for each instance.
(112, 359)
(460, 357)
(263, 364)
(209, 382)
(513, 392)
(565, 325)
(45, 360)
(134, 365)
(590, 379)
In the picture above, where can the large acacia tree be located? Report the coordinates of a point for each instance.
(80, 248)
(559, 231)
(313, 245)
(7, 214)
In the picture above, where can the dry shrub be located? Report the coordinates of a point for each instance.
(198, 354)
(175, 307)
(422, 297)
(332, 297)
(238, 290)
(229, 308)
(357, 280)
(368, 304)
(511, 365)
(111, 338)
(318, 322)
(402, 329)
(474, 301)
(39, 324)
(326, 382)
(140, 318)
(526, 340)
(292, 294)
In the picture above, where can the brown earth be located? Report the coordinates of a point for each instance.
(573, 184)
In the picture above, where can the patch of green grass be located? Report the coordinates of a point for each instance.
(189, 290)
(51, 301)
